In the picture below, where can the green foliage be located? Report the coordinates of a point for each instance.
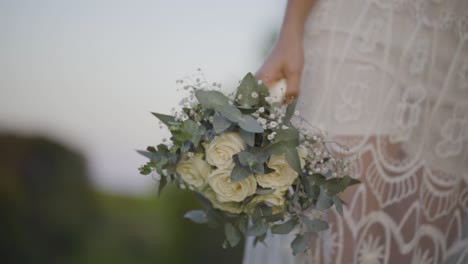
(258, 228)
(290, 112)
(197, 216)
(166, 119)
(211, 99)
(338, 205)
(248, 86)
(249, 124)
(324, 200)
(284, 228)
(215, 114)
(233, 234)
(300, 243)
(315, 225)
(220, 123)
(248, 137)
(230, 112)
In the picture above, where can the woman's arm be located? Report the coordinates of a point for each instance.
(286, 59)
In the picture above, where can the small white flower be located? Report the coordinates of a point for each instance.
(273, 124)
(261, 109)
(259, 82)
(211, 119)
(256, 115)
(284, 127)
(271, 137)
(254, 95)
(239, 96)
(262, 121)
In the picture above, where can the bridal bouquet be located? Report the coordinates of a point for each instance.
(252, 163)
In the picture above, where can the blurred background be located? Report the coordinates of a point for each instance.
(78, 80)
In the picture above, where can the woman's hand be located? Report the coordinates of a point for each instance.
(287, 56)
(285, 61)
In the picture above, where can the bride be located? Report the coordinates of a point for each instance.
(388, 79)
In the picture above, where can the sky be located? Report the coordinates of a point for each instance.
(88, 73)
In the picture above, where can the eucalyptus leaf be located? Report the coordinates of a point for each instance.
(257, 168)
(233, 235)
(258, 228)
(248, 137)
(290, 135)
(324, 201)
(260, 155)
(245, 158)
(290, 109)
(220, 124)
(165, 119)
(260, 239)
(274, 217)
(276, 149)
(315, 225)
(211, 99)
(229, 112)
(161, 184)
(239, 173)
(293, 159)
(265, 210)
(197, 216)
(284, 228)
(145, 170)
(151, 149)
(145, 154)
(250, 124)
(243, 223)
(186, 146)
(248, 86)
(338, 205)
(299, 244)
(337, 185)
(316, 179)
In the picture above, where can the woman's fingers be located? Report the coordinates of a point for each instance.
(293, 80)
(269, 76)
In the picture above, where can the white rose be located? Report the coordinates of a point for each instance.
(276, 200)
(227, 191)
(220, 150)
(281, 178)
(232, 207)
(194, 171)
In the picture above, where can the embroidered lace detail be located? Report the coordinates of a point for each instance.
(389, 79)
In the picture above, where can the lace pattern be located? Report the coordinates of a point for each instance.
(389, 79)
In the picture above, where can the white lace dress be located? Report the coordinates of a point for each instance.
(389, 79)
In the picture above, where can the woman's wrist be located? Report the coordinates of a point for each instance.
(295, 17)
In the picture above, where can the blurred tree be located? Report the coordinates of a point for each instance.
(50, 213)
(46, 201)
